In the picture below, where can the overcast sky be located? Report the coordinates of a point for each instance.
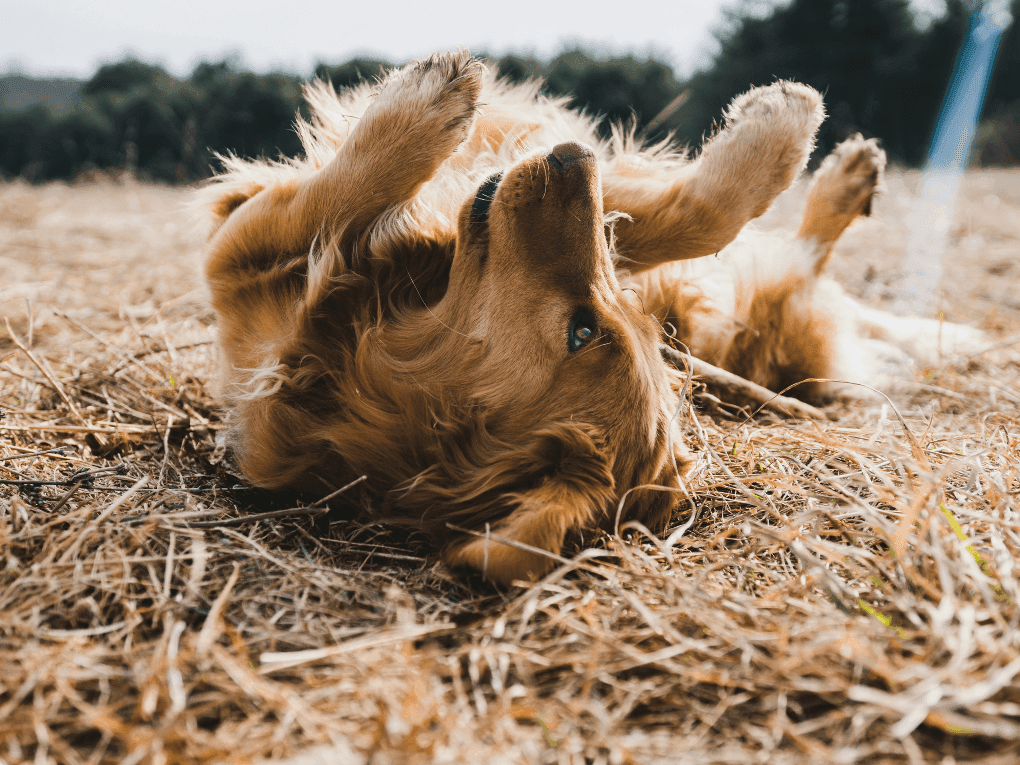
(71, 37)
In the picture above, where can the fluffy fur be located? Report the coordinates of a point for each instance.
(379, 317)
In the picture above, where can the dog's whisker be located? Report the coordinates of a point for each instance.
(607, 343)
(426, 306)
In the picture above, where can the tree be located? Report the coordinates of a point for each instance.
(125, 76)
(879, 73)
(1004, 87)
(351, 73)
(998, 139)
(519, 68)
(617, 89)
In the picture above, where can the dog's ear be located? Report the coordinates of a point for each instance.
(572, 491)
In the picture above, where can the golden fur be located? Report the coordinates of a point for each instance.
(378, 317)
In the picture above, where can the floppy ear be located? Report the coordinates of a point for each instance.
(572, 492)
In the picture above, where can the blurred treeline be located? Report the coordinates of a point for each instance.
(882, 73)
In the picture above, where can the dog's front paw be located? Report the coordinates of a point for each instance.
(768, 135)
(436, 97)
(782, 110)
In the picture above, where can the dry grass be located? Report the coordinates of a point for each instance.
(818, 607)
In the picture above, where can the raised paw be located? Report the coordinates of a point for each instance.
(850, 176)
(434, 99)
(783, 109)
(843, 187)
(418, 118)
(768, 135)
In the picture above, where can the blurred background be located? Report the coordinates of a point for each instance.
(156, 89)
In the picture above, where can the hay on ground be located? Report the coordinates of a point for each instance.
(841, 591)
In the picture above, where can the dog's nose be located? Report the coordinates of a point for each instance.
(568, 153)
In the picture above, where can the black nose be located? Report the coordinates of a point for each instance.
(568, 153)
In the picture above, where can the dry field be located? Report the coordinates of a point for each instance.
(841, 593)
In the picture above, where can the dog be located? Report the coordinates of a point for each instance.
(460, 292)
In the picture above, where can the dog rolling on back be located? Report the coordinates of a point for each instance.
(460, 292)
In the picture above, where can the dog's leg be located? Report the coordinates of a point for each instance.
(268, 288)
(842, 188)
(421, 114)
(927, 342)
(768, 135)
(788, 331)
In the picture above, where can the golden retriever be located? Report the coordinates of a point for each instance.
(460, 292)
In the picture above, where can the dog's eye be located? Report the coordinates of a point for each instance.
(483, 199)
(581, 330)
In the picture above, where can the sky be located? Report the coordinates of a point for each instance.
(72, 37)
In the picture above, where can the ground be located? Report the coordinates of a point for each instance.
(845, 592)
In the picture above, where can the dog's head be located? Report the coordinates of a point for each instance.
(565, 368)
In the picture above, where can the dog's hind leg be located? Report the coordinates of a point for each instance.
(842, 189)
(768, 135)
(790, 324)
